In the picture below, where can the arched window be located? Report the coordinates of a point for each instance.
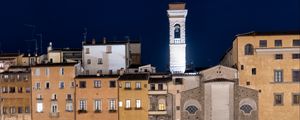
(192, 109)
(249, 49)
(177, 31)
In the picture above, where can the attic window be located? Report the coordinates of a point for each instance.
(178, 81)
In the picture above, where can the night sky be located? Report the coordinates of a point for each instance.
(211, 24)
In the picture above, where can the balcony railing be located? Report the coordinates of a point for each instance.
(112, 111)
(157, 112)
(54, 114)
(157, 92)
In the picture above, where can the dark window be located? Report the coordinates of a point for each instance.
(278, 43)
(177, 31)
(27, 109)
(296, 99)
(100, 61)
(89, 61)
(20, 110)
(20, 90)
(112, 84)
(47, 85)
(263, 43)
(110, 72)
(253, 71)
(247, 83)
(152, 86)
(160, 87)
(178, 81)
(242, 67)
(12, 89)
(82, 84)
(296, 75)
(296, 42)
(296, 56)
(278, 56)
(249, 49)
(278, 99)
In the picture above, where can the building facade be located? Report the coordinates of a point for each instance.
(53, 88)
(96, 97)
(109, 57)
(15, 96)
(177, 15)
(269, 62)
(133, 97)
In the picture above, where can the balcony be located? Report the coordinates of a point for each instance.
(82, 111)
(112, 111)
(157, 112)
(157, 92)
(54, 114)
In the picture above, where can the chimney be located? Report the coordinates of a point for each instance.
(94, 41)
(104, 40)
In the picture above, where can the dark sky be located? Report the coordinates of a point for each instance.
(211, 24)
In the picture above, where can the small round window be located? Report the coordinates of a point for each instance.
(246, 109)
(192, 109)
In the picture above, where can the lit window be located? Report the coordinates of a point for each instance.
(138, 85)
(61, 71)
(278, 76)
(161, 106)
(82, 105)
(127, 85)
(39, 107)
(97, 83)
(138, 103)
(112, 104)
(37, 72)
(127, 104)
(98, 105)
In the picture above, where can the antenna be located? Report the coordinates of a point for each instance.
(41, 42)
(85, 34)
(36, 46)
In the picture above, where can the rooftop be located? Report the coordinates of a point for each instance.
(9, 54)
(254, 33)
(108, 42)
(55, 64)
(134, 77)
(177, 6)
(95, 76)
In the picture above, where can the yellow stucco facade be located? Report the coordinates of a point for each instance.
(133, 97)
(259, 71)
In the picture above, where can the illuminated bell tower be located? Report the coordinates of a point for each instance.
(177, 16)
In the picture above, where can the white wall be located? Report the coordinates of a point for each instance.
(111, 61)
